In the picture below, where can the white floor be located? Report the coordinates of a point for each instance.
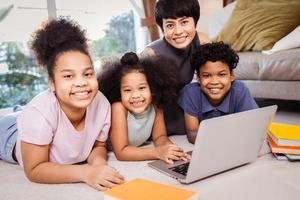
(287, 117)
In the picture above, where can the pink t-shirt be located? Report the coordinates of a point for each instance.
(43, 122)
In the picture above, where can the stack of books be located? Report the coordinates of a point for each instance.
(284, 141)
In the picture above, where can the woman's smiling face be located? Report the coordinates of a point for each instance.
(179, 32)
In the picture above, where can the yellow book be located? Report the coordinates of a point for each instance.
(285, 134)
(142, 189)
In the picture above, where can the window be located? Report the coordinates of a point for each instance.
(110, 27)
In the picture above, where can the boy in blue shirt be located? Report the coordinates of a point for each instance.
(216, 91)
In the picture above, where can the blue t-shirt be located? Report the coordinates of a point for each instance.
(194, 102)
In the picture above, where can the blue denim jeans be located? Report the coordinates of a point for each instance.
(8, 137)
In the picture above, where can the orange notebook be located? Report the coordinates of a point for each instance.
(141, 189)
(283, 149)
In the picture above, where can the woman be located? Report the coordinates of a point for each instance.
(177, 20)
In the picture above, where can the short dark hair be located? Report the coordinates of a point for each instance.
(56, 37)
(161, 74)
(216, 51)
(176, 8)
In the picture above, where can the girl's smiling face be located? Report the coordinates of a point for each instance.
(135, 92)
(74, 81)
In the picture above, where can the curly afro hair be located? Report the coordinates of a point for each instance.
(55, 38)
(217, 51)
(161, 74)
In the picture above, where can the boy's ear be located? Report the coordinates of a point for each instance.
(232, 76)
(198, 79)
(51, 85)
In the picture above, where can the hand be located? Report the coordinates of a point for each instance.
(102, 177)
(170, 152)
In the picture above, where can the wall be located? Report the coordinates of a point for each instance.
(207, 7)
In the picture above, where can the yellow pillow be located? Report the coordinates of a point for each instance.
(257, 24)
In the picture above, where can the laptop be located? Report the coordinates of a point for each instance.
(222, 143)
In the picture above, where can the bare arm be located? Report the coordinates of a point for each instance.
(38, 169)
(192, 125)
(203, 38)
(148, 51)
(165, 149)
(98, 154)
(159, 131)
(119, 138)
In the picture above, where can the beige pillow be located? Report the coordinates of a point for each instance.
(257, 24)
(290, 41)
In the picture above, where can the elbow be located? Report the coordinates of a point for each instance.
(191, 140)
(120, 155)
(191, 137)
(33, 174)
(191, 134)
(31, 177)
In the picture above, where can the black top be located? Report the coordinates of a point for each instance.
(182, 57)
(173, 114)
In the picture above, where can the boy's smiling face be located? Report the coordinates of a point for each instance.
(215, 81)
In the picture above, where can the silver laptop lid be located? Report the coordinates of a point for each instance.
(228, 141)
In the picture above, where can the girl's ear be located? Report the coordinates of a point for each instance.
(51, 85)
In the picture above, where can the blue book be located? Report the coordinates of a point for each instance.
(280, 156)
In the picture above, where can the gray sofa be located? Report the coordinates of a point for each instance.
(275, 76)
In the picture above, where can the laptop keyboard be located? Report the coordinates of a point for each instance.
(181, 169)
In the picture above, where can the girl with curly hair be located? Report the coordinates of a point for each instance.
(66, 124)
(216, 92)
(138, 89)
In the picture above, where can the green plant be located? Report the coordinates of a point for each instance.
(23, 80)
(119, 37)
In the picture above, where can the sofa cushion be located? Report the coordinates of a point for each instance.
(290, 41)
(286, 90)
(284, 65)
(216, 21)
(280, 66)
(257, 24)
